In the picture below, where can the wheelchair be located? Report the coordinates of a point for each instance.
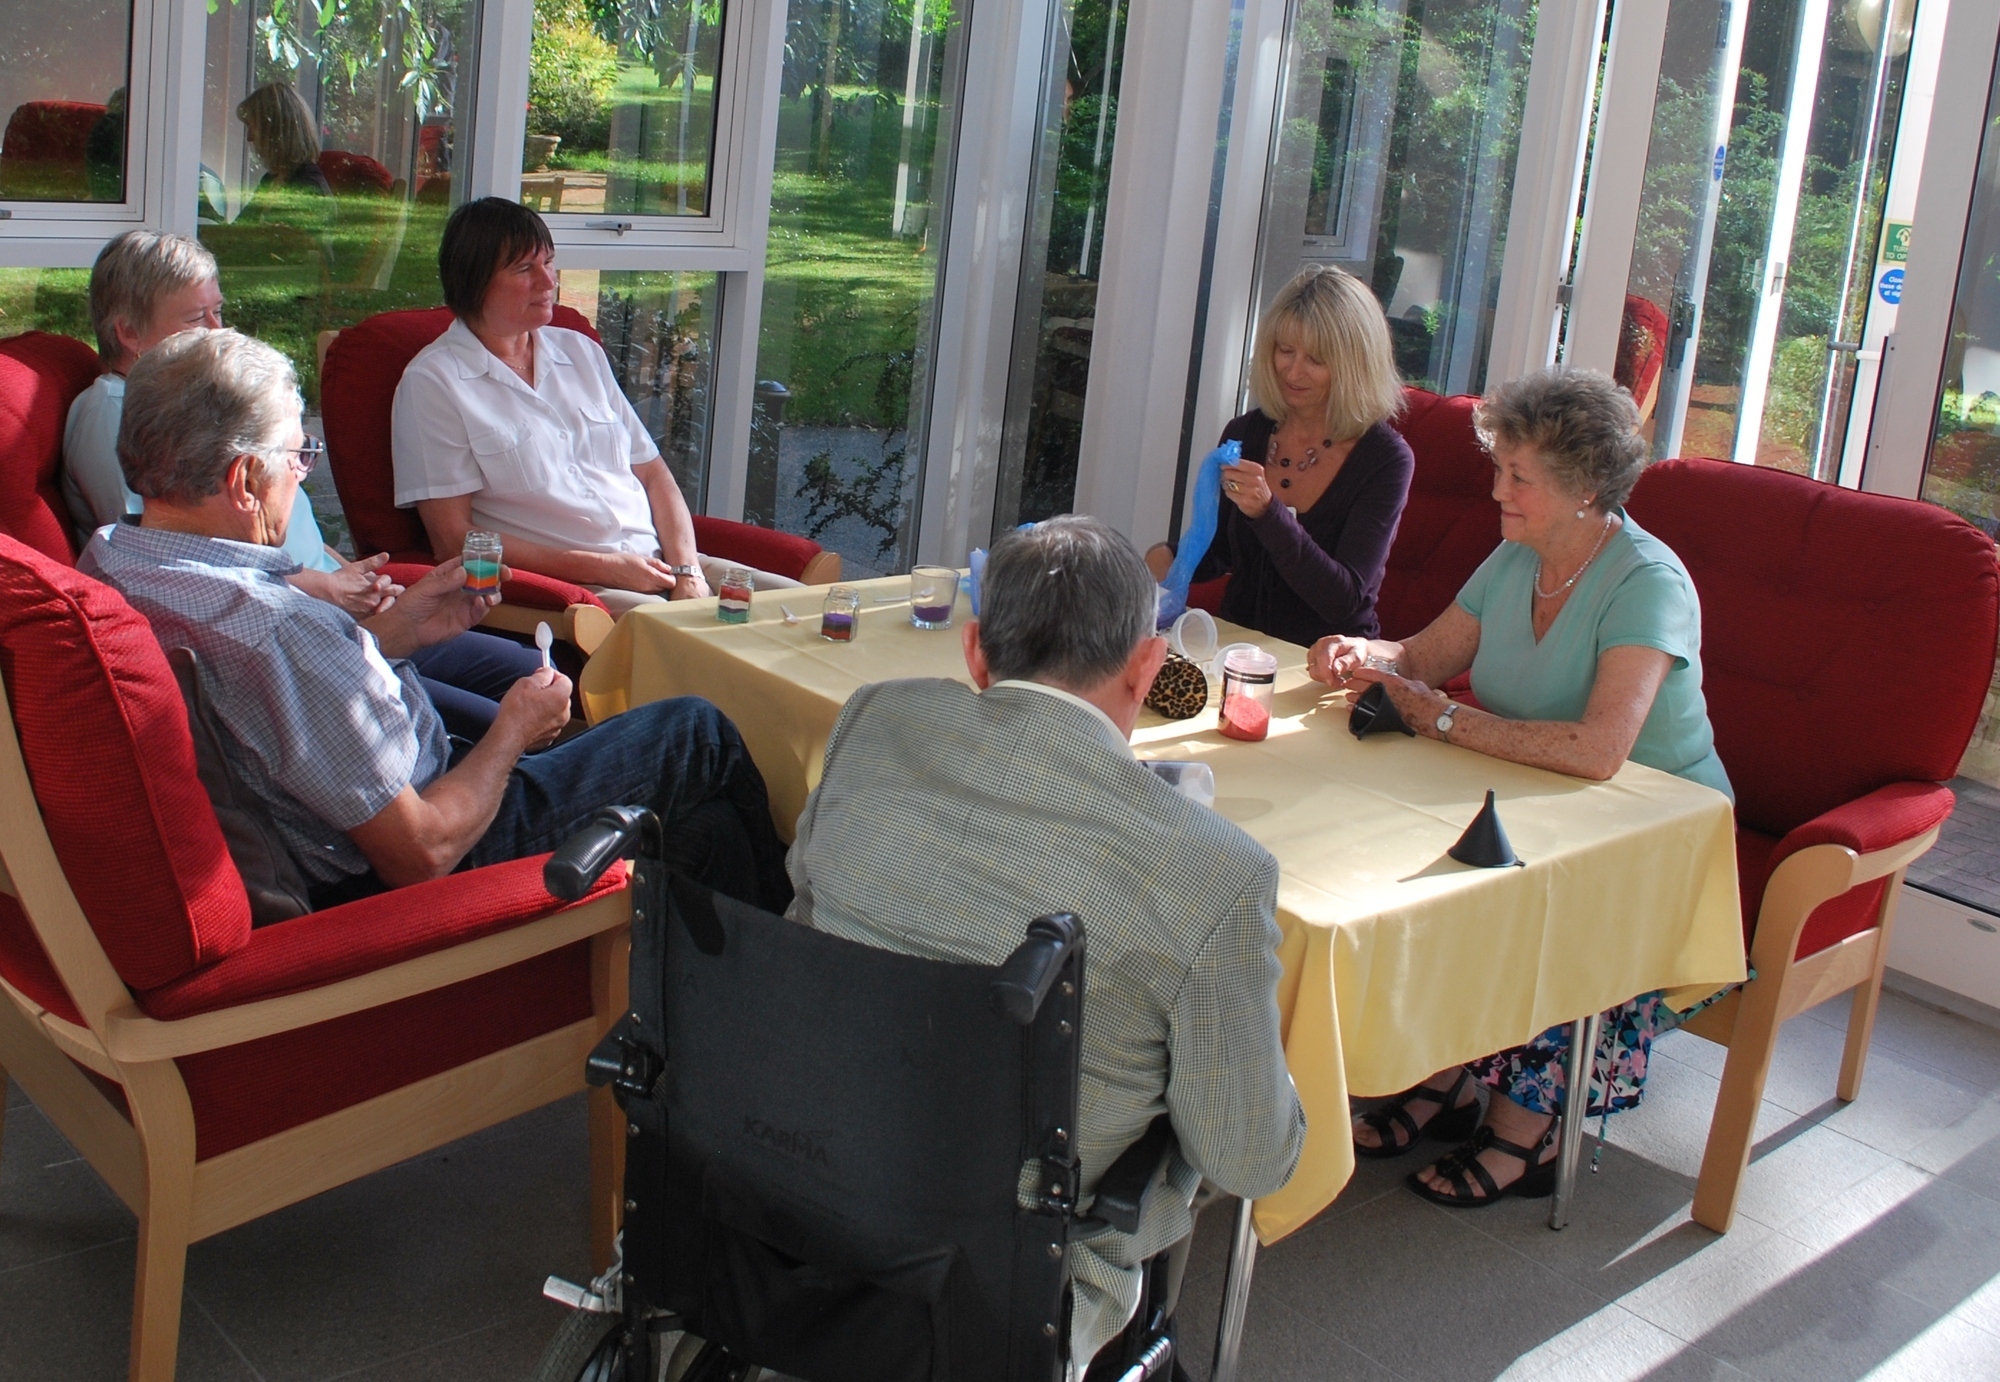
(827, 1144)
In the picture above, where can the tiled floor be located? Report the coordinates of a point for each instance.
(1867, 1245)
(1964, 864)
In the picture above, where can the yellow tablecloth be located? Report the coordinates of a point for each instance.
(1397, 961)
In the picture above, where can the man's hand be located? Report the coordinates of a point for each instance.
(534, 710)
(358, 587)
(434, 609)
(630, 571)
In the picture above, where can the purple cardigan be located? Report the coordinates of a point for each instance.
(1302, 578)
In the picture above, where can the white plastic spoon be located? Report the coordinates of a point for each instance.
(790, 618)
(545, 639)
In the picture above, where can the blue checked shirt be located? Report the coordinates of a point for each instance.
(320, 726)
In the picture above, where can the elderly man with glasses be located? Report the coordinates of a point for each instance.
(323, 721)
(147, 285)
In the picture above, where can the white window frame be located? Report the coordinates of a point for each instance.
(162, 130)
(728, 239)
(729, 243)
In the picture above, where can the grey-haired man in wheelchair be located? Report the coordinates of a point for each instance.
(945, 818)
(943, 815)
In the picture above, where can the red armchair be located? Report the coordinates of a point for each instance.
(211, 1073)
(362, 366)
(1836, 760)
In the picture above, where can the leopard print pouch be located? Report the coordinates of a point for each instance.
(1180, 691)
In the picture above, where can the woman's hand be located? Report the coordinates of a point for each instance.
(357, 587)
(693, 586)
(1417, 703)
(630, 571)
(1244, 485)
(1334, 659)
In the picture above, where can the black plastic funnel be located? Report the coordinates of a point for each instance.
(1485, 845)
(1375, 713)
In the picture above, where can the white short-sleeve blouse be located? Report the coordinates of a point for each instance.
(551, 463)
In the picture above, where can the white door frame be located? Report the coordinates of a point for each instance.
(1548, 175)
(999, 113)
(1617, 178)
(1906, 397)
(1155, 223)
(1784, 219)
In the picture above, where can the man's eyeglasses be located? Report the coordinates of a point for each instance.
(304, 458)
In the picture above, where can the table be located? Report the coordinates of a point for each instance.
(1398, 962)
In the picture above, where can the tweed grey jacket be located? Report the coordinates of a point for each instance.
(946, 820)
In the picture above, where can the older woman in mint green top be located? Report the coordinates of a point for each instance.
(1582, 633)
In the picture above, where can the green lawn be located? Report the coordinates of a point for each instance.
(845, 296)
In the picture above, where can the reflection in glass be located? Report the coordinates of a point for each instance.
(327, 153)
(659, 330)
(63, 67)
(621, 106)
(1964, 470)
(1056, 311)
(1679, 202)
(1394, 158)
(858, 205)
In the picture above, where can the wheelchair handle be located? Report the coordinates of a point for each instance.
(579, 861)
(1027, 974)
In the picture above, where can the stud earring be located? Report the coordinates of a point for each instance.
(1579, 514)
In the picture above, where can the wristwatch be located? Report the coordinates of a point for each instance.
(685, 570)
(1444, 720)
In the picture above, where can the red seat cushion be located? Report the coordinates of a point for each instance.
(767, 549)
(104, 734)
(40, 376)
(358, 395)
(244, 1093)
(1450, 523)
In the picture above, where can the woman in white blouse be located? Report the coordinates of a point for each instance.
(507, 424)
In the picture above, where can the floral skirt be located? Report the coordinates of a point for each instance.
(1534, 1075)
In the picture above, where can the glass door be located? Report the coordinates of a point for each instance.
(1393, 158)
(866, 127)
(1787, 272)
(1055, 312)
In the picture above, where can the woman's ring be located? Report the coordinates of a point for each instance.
(1233, 486)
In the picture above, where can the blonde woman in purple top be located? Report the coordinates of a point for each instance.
(1312, 508)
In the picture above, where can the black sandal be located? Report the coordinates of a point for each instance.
(1451, 1122)
(1463, 1167)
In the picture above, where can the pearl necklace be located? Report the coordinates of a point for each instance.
(1578, 575)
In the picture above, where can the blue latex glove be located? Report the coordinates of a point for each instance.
(1200, 531)
(977, 561)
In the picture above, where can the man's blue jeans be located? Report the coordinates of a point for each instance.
(684, 760)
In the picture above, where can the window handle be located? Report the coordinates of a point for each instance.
(620, 226)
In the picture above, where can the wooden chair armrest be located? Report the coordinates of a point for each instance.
(132, 1037)
(583, 627)
(1816, 875)
(823, 569)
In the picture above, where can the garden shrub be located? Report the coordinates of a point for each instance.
(571, 71)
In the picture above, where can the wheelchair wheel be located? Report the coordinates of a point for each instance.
(587, 1348)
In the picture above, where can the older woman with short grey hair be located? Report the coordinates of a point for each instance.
(1582, 633)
